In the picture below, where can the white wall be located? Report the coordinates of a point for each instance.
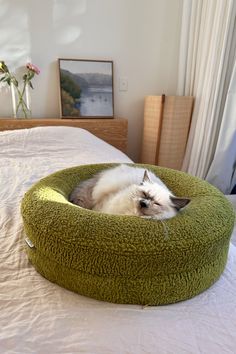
(140, 36)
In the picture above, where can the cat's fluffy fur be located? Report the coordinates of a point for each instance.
(130, 191)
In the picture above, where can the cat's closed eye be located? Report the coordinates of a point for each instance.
(145, 195)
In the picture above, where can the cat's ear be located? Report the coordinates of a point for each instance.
(179, 203)
(146, 177)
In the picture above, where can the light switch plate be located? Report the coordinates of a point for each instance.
(123, 83)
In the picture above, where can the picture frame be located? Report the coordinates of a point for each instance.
(86, 88)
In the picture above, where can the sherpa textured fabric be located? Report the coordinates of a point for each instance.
(127, 259)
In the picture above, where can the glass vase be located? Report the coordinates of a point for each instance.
(21, 102)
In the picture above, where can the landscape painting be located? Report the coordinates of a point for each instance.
(86, 88)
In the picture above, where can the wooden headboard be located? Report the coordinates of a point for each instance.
(113, 131)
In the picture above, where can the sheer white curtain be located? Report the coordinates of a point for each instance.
(222, 172)
(207, 55)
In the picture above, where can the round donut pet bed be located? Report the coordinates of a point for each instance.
(127, 259)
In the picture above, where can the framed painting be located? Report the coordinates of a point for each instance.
(86, 88)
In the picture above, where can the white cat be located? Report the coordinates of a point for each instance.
(130, 191)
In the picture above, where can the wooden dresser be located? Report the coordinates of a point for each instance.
(113, 131)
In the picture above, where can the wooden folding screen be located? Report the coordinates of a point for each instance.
(166, 127)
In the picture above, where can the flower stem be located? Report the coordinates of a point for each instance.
(21, 102)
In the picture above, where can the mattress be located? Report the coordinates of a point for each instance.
(37, 316)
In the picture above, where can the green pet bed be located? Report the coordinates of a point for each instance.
(127, 259)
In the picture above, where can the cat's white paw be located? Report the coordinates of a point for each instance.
(149, 217)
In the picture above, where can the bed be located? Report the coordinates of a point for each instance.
(37, 316)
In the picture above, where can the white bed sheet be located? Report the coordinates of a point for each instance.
(37, 316)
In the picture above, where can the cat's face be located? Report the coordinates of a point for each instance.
(154, 200)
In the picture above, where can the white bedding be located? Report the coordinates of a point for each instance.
(37, 316)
